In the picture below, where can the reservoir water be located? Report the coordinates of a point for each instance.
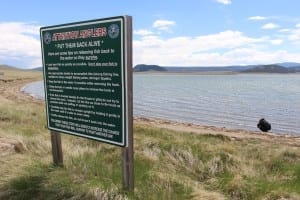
(231, 101)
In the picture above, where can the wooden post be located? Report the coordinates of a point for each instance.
(128, 169)
(56, 148)
(127, 152)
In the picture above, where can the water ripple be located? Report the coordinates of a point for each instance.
(232, 101)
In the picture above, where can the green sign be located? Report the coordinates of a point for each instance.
(85, 78)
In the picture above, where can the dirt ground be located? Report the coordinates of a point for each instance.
(234, 134)
(12, 81)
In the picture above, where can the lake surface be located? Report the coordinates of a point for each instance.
(231, 101)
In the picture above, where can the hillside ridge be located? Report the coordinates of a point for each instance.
(271, 68)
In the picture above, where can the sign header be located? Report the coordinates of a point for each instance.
(86, 66)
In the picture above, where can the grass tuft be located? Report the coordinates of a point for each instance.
(168, 164)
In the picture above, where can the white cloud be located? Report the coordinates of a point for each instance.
(223, 48)
(143, 32)
(163, 25)
(257, 18)
(256, 56)
(226, 39)
(226, 2)
(284, 30)
(191, 51)
(269, 26)
(20, 44)
(276, 41)
(295, 34)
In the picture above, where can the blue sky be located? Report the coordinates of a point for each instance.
(166, 32)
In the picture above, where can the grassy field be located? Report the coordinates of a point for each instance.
(168, 164)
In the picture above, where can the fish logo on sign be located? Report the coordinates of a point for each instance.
(47, 38)
(113, 31)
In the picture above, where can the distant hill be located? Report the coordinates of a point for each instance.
(272, 68)
(37, 69)
(295, 69)
(268, 69)
(289, 64)
(6, 67)
(208, 69)
(287, 67)
(146, 68)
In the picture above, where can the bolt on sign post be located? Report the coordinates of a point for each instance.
(88, 84)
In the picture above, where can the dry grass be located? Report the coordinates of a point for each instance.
(168, 164)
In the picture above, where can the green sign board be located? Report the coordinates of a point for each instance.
(86, 78)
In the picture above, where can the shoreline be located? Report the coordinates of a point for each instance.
(186, 73)
(208, 73)
(188, 126)
(233, 134)
(248, 127)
